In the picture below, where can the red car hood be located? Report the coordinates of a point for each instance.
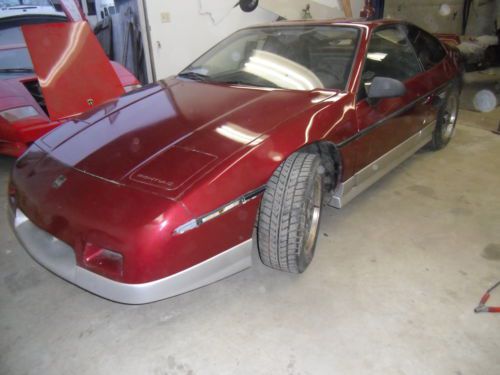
(73, 71)
(167, 134)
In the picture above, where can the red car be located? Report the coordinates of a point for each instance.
(29, 107)
(160, 191)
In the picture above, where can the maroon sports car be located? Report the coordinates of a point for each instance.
(160, 191)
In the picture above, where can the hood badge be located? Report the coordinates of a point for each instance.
(59, 181)
(90, 102)
(154, 180)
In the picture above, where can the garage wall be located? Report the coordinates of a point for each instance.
(482, 17)
(356, 6)
(444, 16)
(319, 9)
(181, 31)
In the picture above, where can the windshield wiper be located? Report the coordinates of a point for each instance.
(193, 75)
(245, 83)
(16, 70)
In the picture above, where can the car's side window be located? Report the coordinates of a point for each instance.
(428, 48)
(390, 54)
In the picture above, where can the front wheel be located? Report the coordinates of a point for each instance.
(446, 120)
(290, 213)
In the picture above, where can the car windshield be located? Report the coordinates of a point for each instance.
(14, 58)
(288, 57)
(16, 3)
(11, 35)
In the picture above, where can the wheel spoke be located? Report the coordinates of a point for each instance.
(449, 117)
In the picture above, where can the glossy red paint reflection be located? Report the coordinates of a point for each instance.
(141, 165)
(54, 49)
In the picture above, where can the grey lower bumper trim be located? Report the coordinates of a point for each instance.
(347, 190)
(59, 258)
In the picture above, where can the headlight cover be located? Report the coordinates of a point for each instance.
(19, 113)
(132, 87)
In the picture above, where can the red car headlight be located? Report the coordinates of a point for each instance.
(106, 262)
(19, 113)
(132, 87)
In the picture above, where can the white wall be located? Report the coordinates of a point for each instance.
(482, 17)
(293, 9)
(182, 30)
(356, 6)
(320, 9)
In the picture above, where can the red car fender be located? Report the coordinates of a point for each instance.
(251, 168)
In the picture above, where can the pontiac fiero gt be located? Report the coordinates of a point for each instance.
(164, 189)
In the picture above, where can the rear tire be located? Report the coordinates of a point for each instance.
(446, 119)
(290, 213)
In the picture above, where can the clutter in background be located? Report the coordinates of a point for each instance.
(486, 100)
(480, 52)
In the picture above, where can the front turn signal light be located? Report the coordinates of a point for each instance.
(106, 262)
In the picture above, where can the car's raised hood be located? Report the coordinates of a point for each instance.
(167, 134)
(72, 69)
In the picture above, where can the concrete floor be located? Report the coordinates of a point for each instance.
(391, 291)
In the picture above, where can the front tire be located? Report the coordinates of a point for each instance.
(290, 212)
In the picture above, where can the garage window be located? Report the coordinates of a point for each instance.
(91, 9)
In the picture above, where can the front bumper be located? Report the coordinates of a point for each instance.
(58, 257)
(14, 149)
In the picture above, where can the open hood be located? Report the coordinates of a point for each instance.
(73, 71)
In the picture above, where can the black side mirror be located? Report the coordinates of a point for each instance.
(385, 87)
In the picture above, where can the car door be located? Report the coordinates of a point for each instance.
(386, 123)
(431, 54)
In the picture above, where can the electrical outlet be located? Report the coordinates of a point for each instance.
(165, 17)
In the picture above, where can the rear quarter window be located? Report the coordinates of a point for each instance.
(428, 48)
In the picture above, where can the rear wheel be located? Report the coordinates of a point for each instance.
(446, 120)
(290, 213)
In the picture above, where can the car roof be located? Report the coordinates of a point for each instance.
(4, 47)
(332, 22)
(10, 18)
(30, 11)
